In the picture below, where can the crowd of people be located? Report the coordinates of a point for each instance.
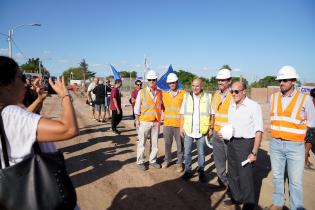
(229, 118)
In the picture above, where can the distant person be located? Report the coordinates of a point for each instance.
(115, 106)
(172, 101)
(133, 97)
(245, 116)
(99, 92)
(220, 105)
(310, 139)
(292, 113)
(91, 96)
(148, 116)
(195, 126)
(108, 91)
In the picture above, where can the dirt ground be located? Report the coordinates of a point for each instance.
(103, 170)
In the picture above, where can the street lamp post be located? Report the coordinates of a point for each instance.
(11, 35)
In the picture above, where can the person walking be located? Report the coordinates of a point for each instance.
(292, 113)
(91, 96)
(220, 105)
(115, 105)
(99, 92)
(245, 117)
(172, 101)
(148, 116)
(195, 125)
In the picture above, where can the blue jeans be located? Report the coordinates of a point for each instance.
(201, 153)
(292, 154)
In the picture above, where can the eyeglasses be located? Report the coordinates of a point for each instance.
(284, 80)
(222, 80)
(236, 91)
(171, 83)
(139, 84)
(151, 80)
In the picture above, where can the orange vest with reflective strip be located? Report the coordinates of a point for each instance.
(150, 110)
(221, 109)
(288, 124)
(172, 107)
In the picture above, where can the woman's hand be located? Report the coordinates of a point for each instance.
(39, 88)
(59, 86)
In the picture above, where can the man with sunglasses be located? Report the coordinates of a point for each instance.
(194, 126)
(292, 114)
(172, 101)
(148, 108)
(133, 97)
(220, 105)
(245, 117)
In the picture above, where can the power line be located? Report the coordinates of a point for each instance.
(19, 50)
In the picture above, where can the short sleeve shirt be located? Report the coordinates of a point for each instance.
(115, 94)
(20, 127)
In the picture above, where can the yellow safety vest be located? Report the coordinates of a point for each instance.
(150, 110)
(204, 113)
(221, 109)
(288, 124)
(172, 107)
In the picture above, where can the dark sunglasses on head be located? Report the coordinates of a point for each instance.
(284, 80)
(151, 80)
(235, 91)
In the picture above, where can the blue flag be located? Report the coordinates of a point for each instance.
(115, 72)
(162, 84)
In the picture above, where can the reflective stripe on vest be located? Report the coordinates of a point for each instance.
(172, 108)
(204, 115)
(221, 109)
(288, 124)
(150, 110)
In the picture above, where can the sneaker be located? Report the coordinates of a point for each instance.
(155, 165)
(202, 177)
(115, 133)
(187, 175)
(165, 165)
(179, 168)
(273, 207)
(142, 167)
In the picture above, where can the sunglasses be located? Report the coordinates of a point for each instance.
(139, 84)
(151, 80)
(222, 80)
(236, 91)
(171, 83)
(284, 80)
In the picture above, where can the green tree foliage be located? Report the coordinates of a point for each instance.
(226, 66)
(265, 82)
(185, 77)
(34, 65)
(127, 74)
(78, 73)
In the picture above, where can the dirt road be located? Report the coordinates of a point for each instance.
(103, 170)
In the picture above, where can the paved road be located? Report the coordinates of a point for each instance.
(103, 170)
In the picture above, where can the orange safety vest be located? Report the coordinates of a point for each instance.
(288, 124)
(221, 109)
(172, 107)
(150, 110)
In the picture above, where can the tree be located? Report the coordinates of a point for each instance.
(84, 67)
(127, 74)
(34, 65)
(265, 82)
(226, 66)
(77, 74)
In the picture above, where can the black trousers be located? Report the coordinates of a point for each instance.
(116, 118)
(240, 178)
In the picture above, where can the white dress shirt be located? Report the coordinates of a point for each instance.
(246, 120)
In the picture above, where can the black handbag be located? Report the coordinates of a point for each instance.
(39, 182)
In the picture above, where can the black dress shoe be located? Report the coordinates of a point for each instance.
(187, 175)
(231, 202)
(202, 177)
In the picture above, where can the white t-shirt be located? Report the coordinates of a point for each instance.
(20, 127)
(90, 90)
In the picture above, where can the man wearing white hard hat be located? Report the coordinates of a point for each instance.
(292, 113)
(148, 110)
(172, 101)
(220, 105)
(245, 118)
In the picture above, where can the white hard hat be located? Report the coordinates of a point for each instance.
(224, 74)
(287, 72)
(227, 131)
(151, 75)
(171, 78)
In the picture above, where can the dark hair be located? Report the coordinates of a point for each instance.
(118, 81)
(8, 69)
(312, 93)
(138, 80)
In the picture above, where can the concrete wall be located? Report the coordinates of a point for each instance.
(262, 95)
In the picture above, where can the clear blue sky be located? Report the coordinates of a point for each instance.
(254, 37)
